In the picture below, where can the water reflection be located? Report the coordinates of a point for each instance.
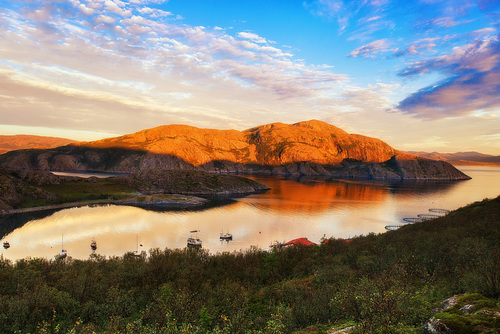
(306, 207)
(314, 196)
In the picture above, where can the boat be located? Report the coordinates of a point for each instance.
(194, 242)
(137, 252)
(93, 245)
(6, 244)
(226, 236)
(63, 252)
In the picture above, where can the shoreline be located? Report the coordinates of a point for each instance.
(180, 200)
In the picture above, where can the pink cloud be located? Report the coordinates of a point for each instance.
(370, 49)
(473, 82)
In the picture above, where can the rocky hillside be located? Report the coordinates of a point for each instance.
(18, 142)
(190, 183)
(14, 191)
(24, 188)
(305, 148)
(274, 144)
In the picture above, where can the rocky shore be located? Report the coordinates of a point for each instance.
(156, 201)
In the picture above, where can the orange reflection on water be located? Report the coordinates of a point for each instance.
(316, 196)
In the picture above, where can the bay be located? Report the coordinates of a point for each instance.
(314, 208)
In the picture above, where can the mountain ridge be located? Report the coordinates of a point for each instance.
(16, 142)
(270, 144)
(304, 148)
(462, 158)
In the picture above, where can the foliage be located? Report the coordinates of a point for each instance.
(386, 283)
(482, 315)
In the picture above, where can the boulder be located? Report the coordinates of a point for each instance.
(435, 326)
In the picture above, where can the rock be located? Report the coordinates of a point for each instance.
(341, 331)
(450, 302)
(467, 309)
(435, 326)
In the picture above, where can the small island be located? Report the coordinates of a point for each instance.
(29, 190)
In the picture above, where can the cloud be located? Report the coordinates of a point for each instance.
(126, 68)
(366, 17)
(370, 49)
(251, 36)
(418, 47)
(472, 82)
(105, 19)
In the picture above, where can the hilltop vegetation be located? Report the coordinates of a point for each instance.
(386, 283)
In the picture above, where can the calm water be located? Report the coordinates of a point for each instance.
(293, 208)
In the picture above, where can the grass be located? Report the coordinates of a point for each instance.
(484, 316)
(76, 191)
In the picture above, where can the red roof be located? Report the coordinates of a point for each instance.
(299, 241)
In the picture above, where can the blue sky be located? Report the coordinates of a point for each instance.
(420, 75)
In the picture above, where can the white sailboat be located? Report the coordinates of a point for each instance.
(136, 252)
(63, 252)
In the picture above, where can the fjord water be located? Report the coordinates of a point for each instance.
(305, 207)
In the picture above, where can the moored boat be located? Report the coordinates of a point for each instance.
(63, 254)
(226, 236)
(194, 241)
(137, 252)
(93, 245)
(6, 244)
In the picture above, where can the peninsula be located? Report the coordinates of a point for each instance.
(25, 190)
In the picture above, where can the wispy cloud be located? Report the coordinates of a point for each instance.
(370, 49)
(251, 36)
(140, 60)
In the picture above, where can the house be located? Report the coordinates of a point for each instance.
(299, 241)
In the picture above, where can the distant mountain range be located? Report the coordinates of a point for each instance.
(462, 158)
(304, 148)
(19, 142)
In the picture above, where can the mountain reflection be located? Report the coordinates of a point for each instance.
(318, 194)
(315, 195)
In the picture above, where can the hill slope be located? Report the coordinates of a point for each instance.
(273, 144)
(305, 148)
(462, 158)
(18, 142)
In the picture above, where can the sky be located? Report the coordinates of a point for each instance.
(421, 75)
